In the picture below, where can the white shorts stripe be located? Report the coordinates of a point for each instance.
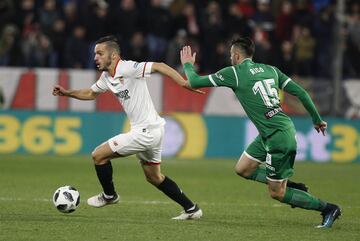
(252, 158)
(212, 81)
(276, 180)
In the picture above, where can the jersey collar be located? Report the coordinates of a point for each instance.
(246, 60)
(115, 68)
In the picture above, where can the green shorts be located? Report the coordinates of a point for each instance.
(277, 152)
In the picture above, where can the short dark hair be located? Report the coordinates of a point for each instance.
(111, 41)
(245, 44)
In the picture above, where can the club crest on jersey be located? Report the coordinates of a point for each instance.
(219, 76)
(123, 94)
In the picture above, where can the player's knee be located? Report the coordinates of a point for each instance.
(245, 173)
(97, 158)
(277, 194)
(154, 179)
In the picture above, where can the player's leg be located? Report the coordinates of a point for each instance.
(279, 167)
(104, 171)
(171, 189)
(150, 161)
(118, 146)
(166, 185)
(249, 166)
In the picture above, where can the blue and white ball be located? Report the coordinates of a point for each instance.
(66, 199)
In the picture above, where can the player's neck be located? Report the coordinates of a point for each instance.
(113, 66)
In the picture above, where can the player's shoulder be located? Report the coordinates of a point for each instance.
(125, 67)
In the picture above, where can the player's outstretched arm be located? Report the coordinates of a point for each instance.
(303, 96)
(188, 61)
(173, 74)
(82, 94)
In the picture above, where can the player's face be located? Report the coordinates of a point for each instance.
(102, 57)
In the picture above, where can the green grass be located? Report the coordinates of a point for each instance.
(234, 209)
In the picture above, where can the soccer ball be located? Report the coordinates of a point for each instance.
(66, 199)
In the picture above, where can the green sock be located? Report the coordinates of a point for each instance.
(259, 175)
(303, 200)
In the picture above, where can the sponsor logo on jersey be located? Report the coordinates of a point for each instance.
(123, 94)
(219, 76)
(270, 167)
(271, 113)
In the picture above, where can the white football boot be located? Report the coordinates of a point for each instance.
(193, 213)
(100, 200)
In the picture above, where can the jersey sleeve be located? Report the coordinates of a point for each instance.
(224, 77)
(100, 85)
(283, 78)
(136, 69)
(303, 96)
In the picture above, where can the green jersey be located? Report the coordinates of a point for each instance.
(256, 86)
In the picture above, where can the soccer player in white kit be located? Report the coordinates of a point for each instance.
(127, 80)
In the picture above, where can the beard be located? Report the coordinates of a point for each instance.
(106, 65)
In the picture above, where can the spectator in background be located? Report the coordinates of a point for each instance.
(58, 37)
(7, 11)
(285, 22)
(285, 60)
(97, 20)
(26, 17)
(9, 45)
(303, 13)
(263, 46)
(159, 28)
(174, 48)
(222, 55)
(37, 49)
(324, 34)
(188, 21)
(353, 30)
(213, 31)
(304, 46)
(48, 14)
(76, 49)
(246, 8)
(125, 21)
(138, 49)
(236, 22)
(263, 18)
(72, 17)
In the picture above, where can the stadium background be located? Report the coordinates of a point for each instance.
(45, 142)
(49, 42)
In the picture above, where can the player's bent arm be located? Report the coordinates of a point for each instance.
(296, 90)
(170, 72)
(83, 94)
(173, 74)
(195, 80)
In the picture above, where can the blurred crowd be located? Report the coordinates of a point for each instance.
(295, 35)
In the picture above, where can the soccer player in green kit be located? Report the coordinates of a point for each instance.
(256, 86)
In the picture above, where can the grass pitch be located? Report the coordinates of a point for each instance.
(234, 209)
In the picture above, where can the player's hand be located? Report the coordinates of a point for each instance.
(321, 127)
(187, 86)
(59, 91)
(186, 56)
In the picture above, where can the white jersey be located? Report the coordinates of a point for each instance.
(129, 85)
